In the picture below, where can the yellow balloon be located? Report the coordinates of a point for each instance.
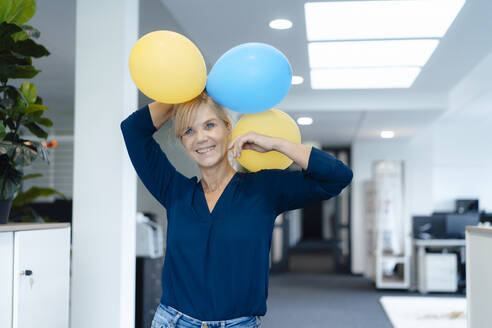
(273, 123)
(167, 67)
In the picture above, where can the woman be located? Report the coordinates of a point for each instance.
(219, 230)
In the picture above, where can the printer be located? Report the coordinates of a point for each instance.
(149, 237)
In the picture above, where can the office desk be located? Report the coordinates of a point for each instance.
(421, 245)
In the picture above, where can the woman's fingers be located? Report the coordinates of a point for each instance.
(247, 138)
(236, 144)
(245, 141)
(237, 148)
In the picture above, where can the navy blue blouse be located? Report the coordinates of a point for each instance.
(216, 265)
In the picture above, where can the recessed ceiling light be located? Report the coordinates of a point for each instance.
(349, 20)
(371, 53)
(304, 120)
(387, 134)
(280, 24)
(363, 78)
(296, 79)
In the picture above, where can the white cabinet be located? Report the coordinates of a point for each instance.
(436, 272)
(440, 272)
(34, 275)
(478, 276)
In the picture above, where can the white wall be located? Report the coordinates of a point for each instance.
(450, 159)
(463, 157)
(104, 185)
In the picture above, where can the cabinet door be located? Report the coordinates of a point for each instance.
(41, 298)
(6, 263)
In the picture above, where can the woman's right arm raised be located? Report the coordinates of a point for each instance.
(157, 173)
(160, 113)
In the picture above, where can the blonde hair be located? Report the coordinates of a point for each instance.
(183, 113)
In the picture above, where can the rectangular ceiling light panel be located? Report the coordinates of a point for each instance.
(371, 53)
(351, 20)
(363, 78)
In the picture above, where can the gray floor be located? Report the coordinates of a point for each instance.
(311, 297)
(324, 300)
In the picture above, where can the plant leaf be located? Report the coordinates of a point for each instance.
(17, 11)
(29, 91)
(2, 131)
(6, 30)
(44, 121)
(42, 151)
(17, 72)
(36, 130)
(30, 48)
(33, 193)
(18, 153)
(24, 214)
(32, 176)
(28, 32)
(10, 180)
(11, 95)
(34, 108)
(9, 59)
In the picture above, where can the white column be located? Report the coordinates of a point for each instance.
(104, 195)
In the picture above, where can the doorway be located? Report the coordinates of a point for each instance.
(322, 244)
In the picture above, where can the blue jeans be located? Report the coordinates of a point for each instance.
(168, 317)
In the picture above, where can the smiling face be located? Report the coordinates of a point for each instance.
(207, 137)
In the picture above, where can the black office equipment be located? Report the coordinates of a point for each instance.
(148, 289)
(60, 210)
(466, 205)
(485, 217)
(429, 227)
(456, 224)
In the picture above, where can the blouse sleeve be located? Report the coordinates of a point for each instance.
(156, 172)
(324, 178)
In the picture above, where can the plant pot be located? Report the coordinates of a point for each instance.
(5, 209)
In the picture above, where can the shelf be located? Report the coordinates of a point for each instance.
(393, 284)
(395, 257)
(392, 280)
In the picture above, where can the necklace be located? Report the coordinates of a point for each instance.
(216, 187)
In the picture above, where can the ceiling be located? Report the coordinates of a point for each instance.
(215, 26)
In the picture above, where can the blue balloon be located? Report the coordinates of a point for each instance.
(250, 78)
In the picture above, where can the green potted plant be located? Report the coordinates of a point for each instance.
(22, 211)
(20, 107)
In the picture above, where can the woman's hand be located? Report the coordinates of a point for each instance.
(299, 153)
(252, 140)
(160, 113)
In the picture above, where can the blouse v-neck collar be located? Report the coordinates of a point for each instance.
(222, 195)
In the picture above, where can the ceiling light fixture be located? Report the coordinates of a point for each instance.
(380, 53)
(304, 120)
(363, 78)
(296, 79)
(387, 134)
(280, 24)
(349, 20)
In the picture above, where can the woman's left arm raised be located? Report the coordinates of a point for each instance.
(299, 153)
(321, 177)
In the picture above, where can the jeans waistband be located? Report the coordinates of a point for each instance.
(174, 311)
